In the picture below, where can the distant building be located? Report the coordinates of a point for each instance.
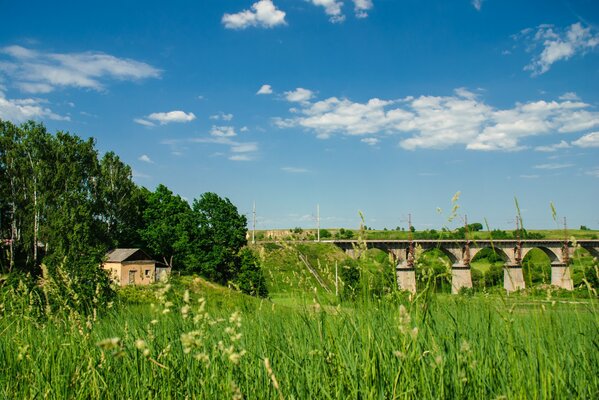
(133, 267)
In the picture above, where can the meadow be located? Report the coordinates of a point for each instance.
(190, 338)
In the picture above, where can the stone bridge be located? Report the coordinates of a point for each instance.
(460, 252)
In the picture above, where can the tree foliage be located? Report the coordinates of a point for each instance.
(63, 206)
(221, 235)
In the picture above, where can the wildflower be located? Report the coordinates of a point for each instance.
(109, 343)
(186, 296)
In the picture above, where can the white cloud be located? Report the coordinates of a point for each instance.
(145, 158)
(478, 4)
(442, 121)
(294, 170)
(531, 176)
(222, 116)
(569, 96)
(265, 89)
(299, 95)
(241, 157)
(371, 141)
(554, 147)
(34, 71)
(223, 131)
(588, 140)
(556, 44)
(553, 166)
(244, 147)
(332, 8)
(21, 110)
(143, 122)
(172, 116)
(361, 8)
(593, 172)
(263, 14)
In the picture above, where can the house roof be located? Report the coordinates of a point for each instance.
(121, 255)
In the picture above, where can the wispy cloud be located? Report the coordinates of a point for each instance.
(222, 116)
(145, 158)
(223, 136)
(553, 166)
(263, 14)
(588, 140)
(165, 118)
(371, 141)
(34, 71)
(551, 44)
(553, 147)
(21, 110)
(478, 4)
(294, 170)
(439, 122)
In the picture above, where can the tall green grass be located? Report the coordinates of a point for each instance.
(214, 343)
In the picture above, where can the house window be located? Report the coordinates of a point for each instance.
(147, 271)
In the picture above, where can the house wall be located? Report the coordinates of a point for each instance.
(142, 272)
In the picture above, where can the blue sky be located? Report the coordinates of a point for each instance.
(385, 106)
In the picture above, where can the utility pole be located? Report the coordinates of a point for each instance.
(318, 222)
(254, 224)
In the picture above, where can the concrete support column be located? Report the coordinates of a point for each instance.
(461, 276)
(560, 276)
(513, 277)
(406, 277)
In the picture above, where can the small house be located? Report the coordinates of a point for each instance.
(133, 267)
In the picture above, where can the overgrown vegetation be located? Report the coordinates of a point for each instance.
(63, 207)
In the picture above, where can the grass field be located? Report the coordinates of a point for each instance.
(193, 339)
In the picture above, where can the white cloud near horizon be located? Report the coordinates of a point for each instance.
(265, 89)
(556, 44)
(164, 118)
(21, 110)
(264, 14)
(438, 122)
(34, 71)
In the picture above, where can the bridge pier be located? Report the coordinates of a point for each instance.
(513, 277)
(406, 277)
(461, 277)
(560, 276)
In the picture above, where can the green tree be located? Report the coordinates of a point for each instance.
(168, 230)
(120, 203)
(221, 235)
(250, 277)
